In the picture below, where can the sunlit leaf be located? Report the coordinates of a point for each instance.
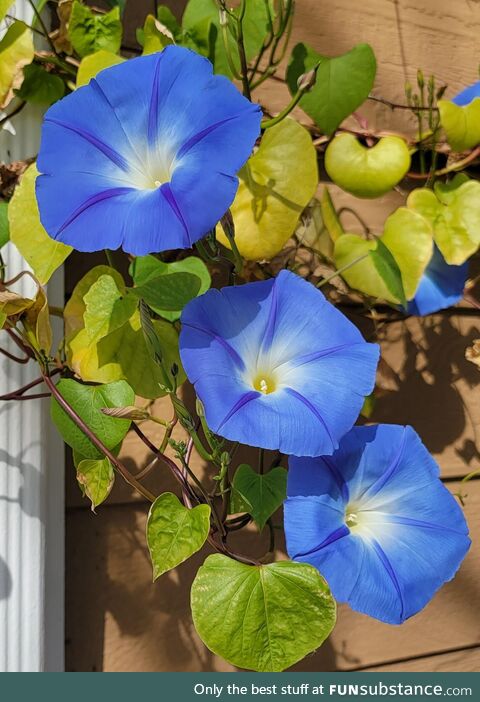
(277, 613)
(41, 252)
(105, 341)
(276, 184)
(96, 478)
(167, 287)
(461, 123)
(94, 63)
(40, 87)
(353, 253)
(174, 533)
(16, 51)
(367, 171)
(87, 401)
(453, 211)
(395, 262)
(89, 32)
(4, 7)
(259, 495)
(342, 84)
(409, 237)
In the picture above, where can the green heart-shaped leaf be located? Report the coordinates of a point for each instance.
(453, 212)
(277, 613)
(87, 401)
(271, 196)
(367, 171)
(174, 533)
(42, 253)
(96, 478)
(342, 83)
(461, 123)
(259, 495)
(167, 287)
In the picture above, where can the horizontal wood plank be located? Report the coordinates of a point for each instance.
(463, 661)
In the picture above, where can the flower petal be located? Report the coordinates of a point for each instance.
(408, 535)
(441, 286)
(468, 94)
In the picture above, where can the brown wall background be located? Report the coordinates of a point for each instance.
(117, 620)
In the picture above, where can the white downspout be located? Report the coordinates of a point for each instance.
(31, 479)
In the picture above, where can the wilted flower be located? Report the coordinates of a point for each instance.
(276, 365)
(467, 95)
(145, 156)
(376, 521)
(441, 286)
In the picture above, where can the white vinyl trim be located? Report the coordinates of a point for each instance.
(31, 478)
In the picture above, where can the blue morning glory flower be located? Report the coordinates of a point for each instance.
(467, 95)
(276, 365)
(145, 156)
(441, 286)
(376, 521)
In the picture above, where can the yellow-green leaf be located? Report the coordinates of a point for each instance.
(352, 253)
(409, 238)
(94, 63)
(276, 184)
(104, 338)
(4, 7)
(461, 123)
(367, 171)
(174, 533)
(42, 253)
(453, 212)
(16, 51)
(96, 478)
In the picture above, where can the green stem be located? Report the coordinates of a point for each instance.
(43, 26)
(241, 51)
(341, 270)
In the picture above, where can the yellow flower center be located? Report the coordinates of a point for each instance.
(265, 383)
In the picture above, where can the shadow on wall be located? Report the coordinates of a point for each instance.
(431, 382)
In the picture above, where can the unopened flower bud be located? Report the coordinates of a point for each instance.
(307, 80)
(136, 413)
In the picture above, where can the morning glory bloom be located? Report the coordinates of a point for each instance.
(467, 95)
(276, 365)
(376, 521)
(441, 286)
(145, 156)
